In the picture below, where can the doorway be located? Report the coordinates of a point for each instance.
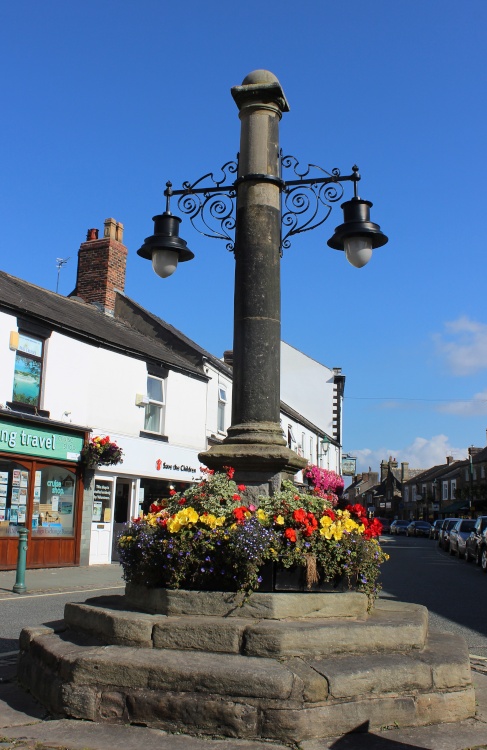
(121, 512)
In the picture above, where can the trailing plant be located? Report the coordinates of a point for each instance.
(101, 452)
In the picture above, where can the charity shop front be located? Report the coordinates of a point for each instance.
(149, 473)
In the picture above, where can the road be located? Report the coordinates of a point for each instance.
(454, 591)
(418, 571)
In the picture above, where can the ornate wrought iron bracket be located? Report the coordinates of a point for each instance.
(306, 200)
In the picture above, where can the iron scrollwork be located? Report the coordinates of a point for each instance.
(306, 201)
(211, 208)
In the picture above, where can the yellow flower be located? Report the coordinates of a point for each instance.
(280, 520)
(209, 520)
(173, 525)
(261, 514)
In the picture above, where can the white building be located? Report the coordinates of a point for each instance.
(98, 363)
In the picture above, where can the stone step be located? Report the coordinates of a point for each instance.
(391, 626)
(235, 695)
(274, 606)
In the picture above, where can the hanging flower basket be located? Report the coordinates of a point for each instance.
(101, 451)
(208, 539)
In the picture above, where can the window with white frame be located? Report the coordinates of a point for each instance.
(222, 403)
(445, 490)
(453, 487)
(290, 436)
(155, 409)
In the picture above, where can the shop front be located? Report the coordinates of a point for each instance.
(150, 471)
(41, 489)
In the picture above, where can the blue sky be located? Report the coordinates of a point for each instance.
(104, 101)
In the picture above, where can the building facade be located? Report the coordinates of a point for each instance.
(97, 363)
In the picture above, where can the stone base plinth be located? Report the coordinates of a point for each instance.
(282, 666)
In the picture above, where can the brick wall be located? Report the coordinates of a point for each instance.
(101, 266)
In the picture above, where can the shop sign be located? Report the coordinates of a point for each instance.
(349, 466)
(39, 441)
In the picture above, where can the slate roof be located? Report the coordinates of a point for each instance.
(87, 323)
(139, 338)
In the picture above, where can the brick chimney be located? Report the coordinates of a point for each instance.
(101, 266)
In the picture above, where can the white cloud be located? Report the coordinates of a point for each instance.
(463, 345)
(420, 454)
(474, 408)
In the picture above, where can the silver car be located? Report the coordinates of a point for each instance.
(459, 535)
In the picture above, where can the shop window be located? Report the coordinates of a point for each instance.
(14, 492)
(222, 402)
(28, 370)
(53, 502)
(155, 409)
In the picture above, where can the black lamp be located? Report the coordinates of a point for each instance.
(165, 248)
(358, 236)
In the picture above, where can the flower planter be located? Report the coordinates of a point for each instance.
(276, 577)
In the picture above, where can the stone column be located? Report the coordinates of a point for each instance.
(255, 445)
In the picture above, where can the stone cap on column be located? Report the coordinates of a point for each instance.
(260, 87)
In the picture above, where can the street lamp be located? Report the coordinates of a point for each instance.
(251, 197)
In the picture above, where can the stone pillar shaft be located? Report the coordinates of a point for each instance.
(255, 445)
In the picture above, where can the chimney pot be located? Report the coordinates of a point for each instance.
(92, 234)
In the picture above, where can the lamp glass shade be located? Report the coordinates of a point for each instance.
(164, 262)
(358, 250)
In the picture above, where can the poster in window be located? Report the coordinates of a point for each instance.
(38, 479)
(21, 514)
(27, 380)
(16, 476)
(65, 508)
(24, 478)
(3, 490)
(37, 493)
(55, 503)
(3, 477)
(15, 494)
(97, 507)
(14, 514)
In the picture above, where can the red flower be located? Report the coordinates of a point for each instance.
(308, 530)
(239, 513)
(241, 487)
(290, 534)
(330, 513)
(312, 520)
(172, 492)
(299, 515)
(236, 498)
(230, 471)
(182, 501)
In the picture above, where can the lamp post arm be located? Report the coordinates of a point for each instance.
(305, 202)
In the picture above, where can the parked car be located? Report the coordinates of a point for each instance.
(474, 541)
(459, 535)
(386, 525)
(444, 535)
(435, 528)
(418, 528)
(399, 527)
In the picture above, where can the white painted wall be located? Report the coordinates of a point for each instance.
(7, 359)
(307, 386)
